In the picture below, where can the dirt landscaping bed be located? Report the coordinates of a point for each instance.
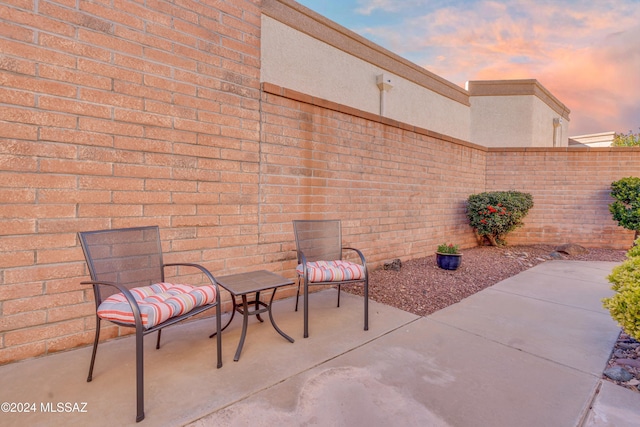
(420, 287)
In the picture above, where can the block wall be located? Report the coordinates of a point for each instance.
(114, 114)
(121, 113)
(399, 190)
(570, 188)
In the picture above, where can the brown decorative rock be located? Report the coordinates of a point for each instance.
(629, 362)
(395, 265)
(571, 249)
(617, 373)
(556, 255)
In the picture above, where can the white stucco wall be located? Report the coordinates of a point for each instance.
(308, 53)
(516, 113)
(603, 139)
(407, 102)
(501, 121)
(543, 126)
(294, 60)
(515, 121)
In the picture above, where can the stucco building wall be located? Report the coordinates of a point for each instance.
(516, 113)
(304, 52)
(603, 139)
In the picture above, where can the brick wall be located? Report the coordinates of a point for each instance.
(399, 190)
(570, 188)
(117, 114)
(403, 189)
(123, 114)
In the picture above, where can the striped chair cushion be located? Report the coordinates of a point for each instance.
(332, 271)
(157, 303)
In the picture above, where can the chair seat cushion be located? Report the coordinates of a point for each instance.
(332, 271)
(158, 302)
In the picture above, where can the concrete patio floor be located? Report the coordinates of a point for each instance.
(528, 351)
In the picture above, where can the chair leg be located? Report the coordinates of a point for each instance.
(339, 288)
(297, 294)
(95, 350)
(139, 374)
(306, 309)
(219, 332)
(158, 342)
(366, 305)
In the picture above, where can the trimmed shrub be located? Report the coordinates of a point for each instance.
(494, 214)
(626, 208)
(624, 305)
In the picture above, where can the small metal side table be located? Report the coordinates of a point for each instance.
(242, 284)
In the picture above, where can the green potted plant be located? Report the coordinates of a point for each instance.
(448, 256)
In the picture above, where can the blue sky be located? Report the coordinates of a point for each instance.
(587, 53)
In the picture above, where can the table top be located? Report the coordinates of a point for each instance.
(254, 281)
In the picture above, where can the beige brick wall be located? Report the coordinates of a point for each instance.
(118, 114)
(570, 188)
(399, 190)
(126, 114)
(415, 188)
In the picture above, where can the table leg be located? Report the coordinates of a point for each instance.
(287, 337)
(233, 313)
(245, 320)
(258, 306)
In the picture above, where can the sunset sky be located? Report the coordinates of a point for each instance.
(586, 53)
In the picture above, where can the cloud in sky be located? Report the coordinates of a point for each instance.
(587, 53)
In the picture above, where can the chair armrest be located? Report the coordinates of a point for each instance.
(360, 254)
(302, 259)
(203, 270)
(135, 309)
(121, 288)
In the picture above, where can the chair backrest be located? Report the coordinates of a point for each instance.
(131, 257)
(318, 239)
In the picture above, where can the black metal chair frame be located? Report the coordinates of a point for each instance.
(99, 282)
(334, 253)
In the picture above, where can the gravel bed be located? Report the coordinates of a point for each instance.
(420, 287)
(624, 365)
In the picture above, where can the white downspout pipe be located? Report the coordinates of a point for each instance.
(384, 84)
(557, 131)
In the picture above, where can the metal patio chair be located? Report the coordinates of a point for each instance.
(128, 278)
(320, 262)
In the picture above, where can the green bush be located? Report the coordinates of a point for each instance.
(626, 139)
(624, 305)
(626, 208)
(494, 214)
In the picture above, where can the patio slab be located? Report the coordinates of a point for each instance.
(528, 351)
(423, 374)
(575, 337)
(577, 285)
(182, 383)
(614, 406)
